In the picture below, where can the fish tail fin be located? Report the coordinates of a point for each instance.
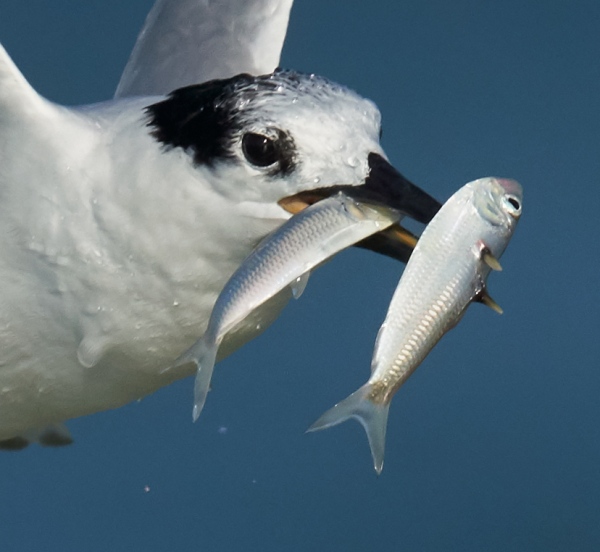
(203, 354)
(206, 365)
(372, 416)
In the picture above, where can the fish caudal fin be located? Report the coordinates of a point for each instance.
(202, 383)
(203, 354)
(372, 416)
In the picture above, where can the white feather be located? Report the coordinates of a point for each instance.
(190, 41)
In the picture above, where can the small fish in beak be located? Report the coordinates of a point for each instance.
(284, 258)
(385, 186)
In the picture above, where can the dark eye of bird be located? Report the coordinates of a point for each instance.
(514, 203)
(259, 150)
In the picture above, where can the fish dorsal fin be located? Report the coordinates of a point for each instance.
(19, 102)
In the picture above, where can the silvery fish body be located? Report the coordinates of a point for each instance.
(446, 272)
(284, 258)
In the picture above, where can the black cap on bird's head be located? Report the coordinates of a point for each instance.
(292, 139)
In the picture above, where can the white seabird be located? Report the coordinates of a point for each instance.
(122, 221)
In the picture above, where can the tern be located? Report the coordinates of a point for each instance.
(122, 221)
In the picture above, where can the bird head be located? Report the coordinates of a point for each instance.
(279, 142)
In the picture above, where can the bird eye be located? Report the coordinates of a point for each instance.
(259, 149)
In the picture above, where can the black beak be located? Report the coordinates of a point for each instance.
(384, 186)
(395, 190)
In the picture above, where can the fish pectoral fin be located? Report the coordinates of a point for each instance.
(489, 259)
(299, 285)
(485, 298)
(372, 416)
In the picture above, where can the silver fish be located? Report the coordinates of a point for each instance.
(446, 272)
(284, 258)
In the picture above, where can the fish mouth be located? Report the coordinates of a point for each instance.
(385, 186)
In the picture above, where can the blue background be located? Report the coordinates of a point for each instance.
(494, 443)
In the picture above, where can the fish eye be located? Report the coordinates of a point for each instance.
(259, 150)
(513, 204)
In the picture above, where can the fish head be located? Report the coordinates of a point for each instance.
(498, 201)
(277, 143)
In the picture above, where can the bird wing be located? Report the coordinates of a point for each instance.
(20, 104)
(191, 41)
